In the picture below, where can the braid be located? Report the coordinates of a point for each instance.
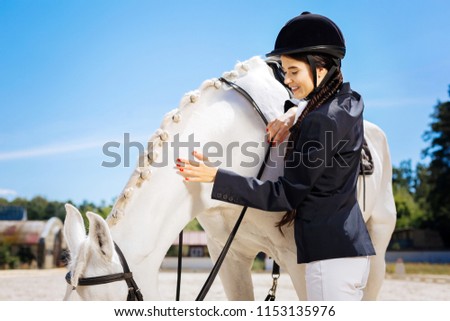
(324, 94)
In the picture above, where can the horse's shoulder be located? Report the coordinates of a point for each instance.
(374, 132)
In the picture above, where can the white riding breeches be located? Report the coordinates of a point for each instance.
(341, 279)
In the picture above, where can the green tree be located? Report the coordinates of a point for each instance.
(3, 201)
(403, 176)
(36, 208)
(19, 201)
(409, 211)
(421, 192)
(55, 208)
(439, 169)
(39, 208)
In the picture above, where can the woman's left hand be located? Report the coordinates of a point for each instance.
(278, 129)
(196, 171)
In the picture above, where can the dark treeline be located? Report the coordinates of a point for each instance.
(39, 208)
(422, 194)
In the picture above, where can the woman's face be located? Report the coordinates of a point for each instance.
(298, 76)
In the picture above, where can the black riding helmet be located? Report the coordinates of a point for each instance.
(311, 34)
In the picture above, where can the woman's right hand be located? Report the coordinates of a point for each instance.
(278, 129)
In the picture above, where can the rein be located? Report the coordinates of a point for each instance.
(246, 96)
(221, 258)
(276, 269)
(134, 293)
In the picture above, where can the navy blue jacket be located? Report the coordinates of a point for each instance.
(319, 181)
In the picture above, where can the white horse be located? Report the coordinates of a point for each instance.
(156, 203)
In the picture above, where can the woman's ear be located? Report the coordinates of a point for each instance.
(321, 72)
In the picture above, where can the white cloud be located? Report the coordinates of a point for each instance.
(48, 150)
(7, 192)
(64, 148)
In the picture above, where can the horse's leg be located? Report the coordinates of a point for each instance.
(380, 225)
(285, 254)
(288, 262)
(235, 272)
(380, 235)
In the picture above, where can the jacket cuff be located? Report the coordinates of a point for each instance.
(222, 188)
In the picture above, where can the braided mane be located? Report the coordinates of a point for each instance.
(143, 170)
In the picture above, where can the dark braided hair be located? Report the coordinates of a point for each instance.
(325, 92)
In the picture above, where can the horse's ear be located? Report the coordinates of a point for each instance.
(74, 230)
(100, 235)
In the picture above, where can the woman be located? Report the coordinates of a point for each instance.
(318, 188)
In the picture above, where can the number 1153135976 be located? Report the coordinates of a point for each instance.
(295, 310)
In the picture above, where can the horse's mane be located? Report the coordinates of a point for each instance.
(143, 170)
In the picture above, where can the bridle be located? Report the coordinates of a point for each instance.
(134, 293)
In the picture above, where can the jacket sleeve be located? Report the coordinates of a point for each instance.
(309, 159)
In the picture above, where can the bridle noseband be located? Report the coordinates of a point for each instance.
(134, 293)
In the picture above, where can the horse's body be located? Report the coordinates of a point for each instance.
(156, 203)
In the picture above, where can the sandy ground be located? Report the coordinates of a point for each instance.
(49, 285)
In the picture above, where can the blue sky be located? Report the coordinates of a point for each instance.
(77, 74)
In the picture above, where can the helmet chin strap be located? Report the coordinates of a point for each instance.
(327, 77)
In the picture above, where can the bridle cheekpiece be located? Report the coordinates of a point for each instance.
(134, 293)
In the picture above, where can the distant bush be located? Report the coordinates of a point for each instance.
(7, 260)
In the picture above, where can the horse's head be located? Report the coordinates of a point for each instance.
(93, 256)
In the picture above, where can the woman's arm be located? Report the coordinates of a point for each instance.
(309, 159)
(277, 131)
(265, 195)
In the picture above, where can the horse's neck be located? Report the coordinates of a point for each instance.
(155, 212)
(150, 213)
